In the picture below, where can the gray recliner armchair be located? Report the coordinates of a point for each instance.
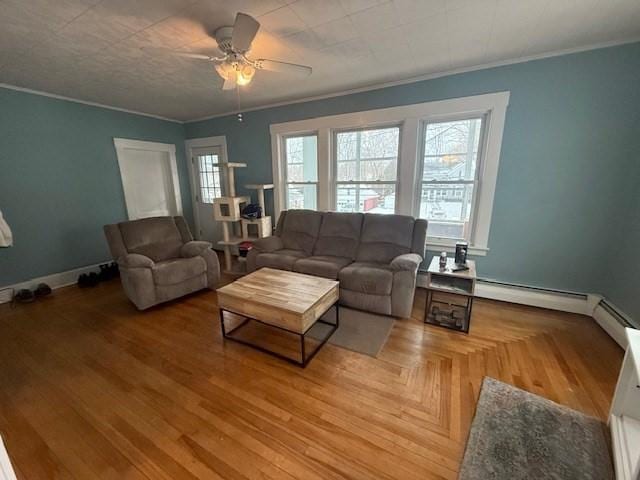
(159, 260)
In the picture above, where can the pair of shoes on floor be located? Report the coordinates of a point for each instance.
(108, 271)
(88, 280)
(27, 296)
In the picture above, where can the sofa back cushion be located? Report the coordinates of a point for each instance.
(157, 237)
(384, 237)
(299, 229)
(339, 235)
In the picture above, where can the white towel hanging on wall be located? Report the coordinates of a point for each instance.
(6, 237)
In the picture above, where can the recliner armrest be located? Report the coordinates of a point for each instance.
(135, 260)
(268, 244)
(194, 248)
(406, 262)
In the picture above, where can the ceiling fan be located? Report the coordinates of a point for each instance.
(234, 66)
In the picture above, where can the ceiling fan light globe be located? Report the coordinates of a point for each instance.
(225, 70)
(245, 74)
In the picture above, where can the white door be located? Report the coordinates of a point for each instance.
(149, 178)
(210, 184)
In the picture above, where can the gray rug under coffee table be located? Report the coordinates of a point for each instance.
(359, 331)
(518, 435)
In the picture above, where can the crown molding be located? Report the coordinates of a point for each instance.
(85, 102)
(420, 78)
(367, 88)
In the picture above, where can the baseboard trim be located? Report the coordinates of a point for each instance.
(613, 321)
(535, 297)
(532, 296)
(610, 318)
(55, 280)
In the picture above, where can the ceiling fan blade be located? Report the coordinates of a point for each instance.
(229, 84)
(179, 53)
(282, 67)
(244, 31)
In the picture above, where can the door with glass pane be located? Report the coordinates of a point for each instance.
(301, 171)
(450, 178)
(367, 170)
(209, 185)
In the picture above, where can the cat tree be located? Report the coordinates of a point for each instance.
(236, 229)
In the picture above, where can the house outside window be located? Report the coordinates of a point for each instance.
(366, 166)
(449, 183)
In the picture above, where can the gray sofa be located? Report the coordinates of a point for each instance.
(160, 261)
(375, 257)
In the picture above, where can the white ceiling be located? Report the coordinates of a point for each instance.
(91, 49)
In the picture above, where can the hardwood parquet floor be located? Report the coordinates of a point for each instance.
(90, 388)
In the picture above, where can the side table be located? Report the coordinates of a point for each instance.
(450, 295)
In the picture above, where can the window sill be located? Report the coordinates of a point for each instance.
(451, 248)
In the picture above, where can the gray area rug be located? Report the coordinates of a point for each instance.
(361, 332)
(518, 435)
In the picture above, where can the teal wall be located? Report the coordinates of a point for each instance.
(565, 213)
(60, 182)
(571, 125)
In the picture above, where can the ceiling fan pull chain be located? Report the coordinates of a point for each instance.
(240, 118)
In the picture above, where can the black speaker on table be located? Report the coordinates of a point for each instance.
(461, 253)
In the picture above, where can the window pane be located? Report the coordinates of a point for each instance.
(210, 186)
(302, 196)
(368, 155)
(366, 198)
(451, 150)
(447, 209)
(302, 158)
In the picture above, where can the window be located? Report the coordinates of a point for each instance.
(436, 160)
(450, 177)
(209, 176)
(301, 171)
(366, 166)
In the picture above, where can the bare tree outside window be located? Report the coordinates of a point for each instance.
(367, 164)
(449, 179)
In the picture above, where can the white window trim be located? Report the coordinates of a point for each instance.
(122, 144)
(410, 118)
(189, 146)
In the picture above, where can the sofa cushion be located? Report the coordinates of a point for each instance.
(321, 266)
(384, 237)
(367, 277)
(300, 230)
(157, 237)
(339, 235)
(280, 259)
(177, 270)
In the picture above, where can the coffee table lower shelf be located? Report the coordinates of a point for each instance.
(305, 357)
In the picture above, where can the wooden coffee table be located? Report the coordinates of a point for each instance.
(289, 301)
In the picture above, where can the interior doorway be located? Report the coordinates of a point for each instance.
(208, 183)
(149, 174)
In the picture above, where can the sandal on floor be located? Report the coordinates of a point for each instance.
(24, 296)
(42, 290)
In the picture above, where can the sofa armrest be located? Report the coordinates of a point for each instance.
(407, 262)
(194, 248)
(135, 260)
(268, 244)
